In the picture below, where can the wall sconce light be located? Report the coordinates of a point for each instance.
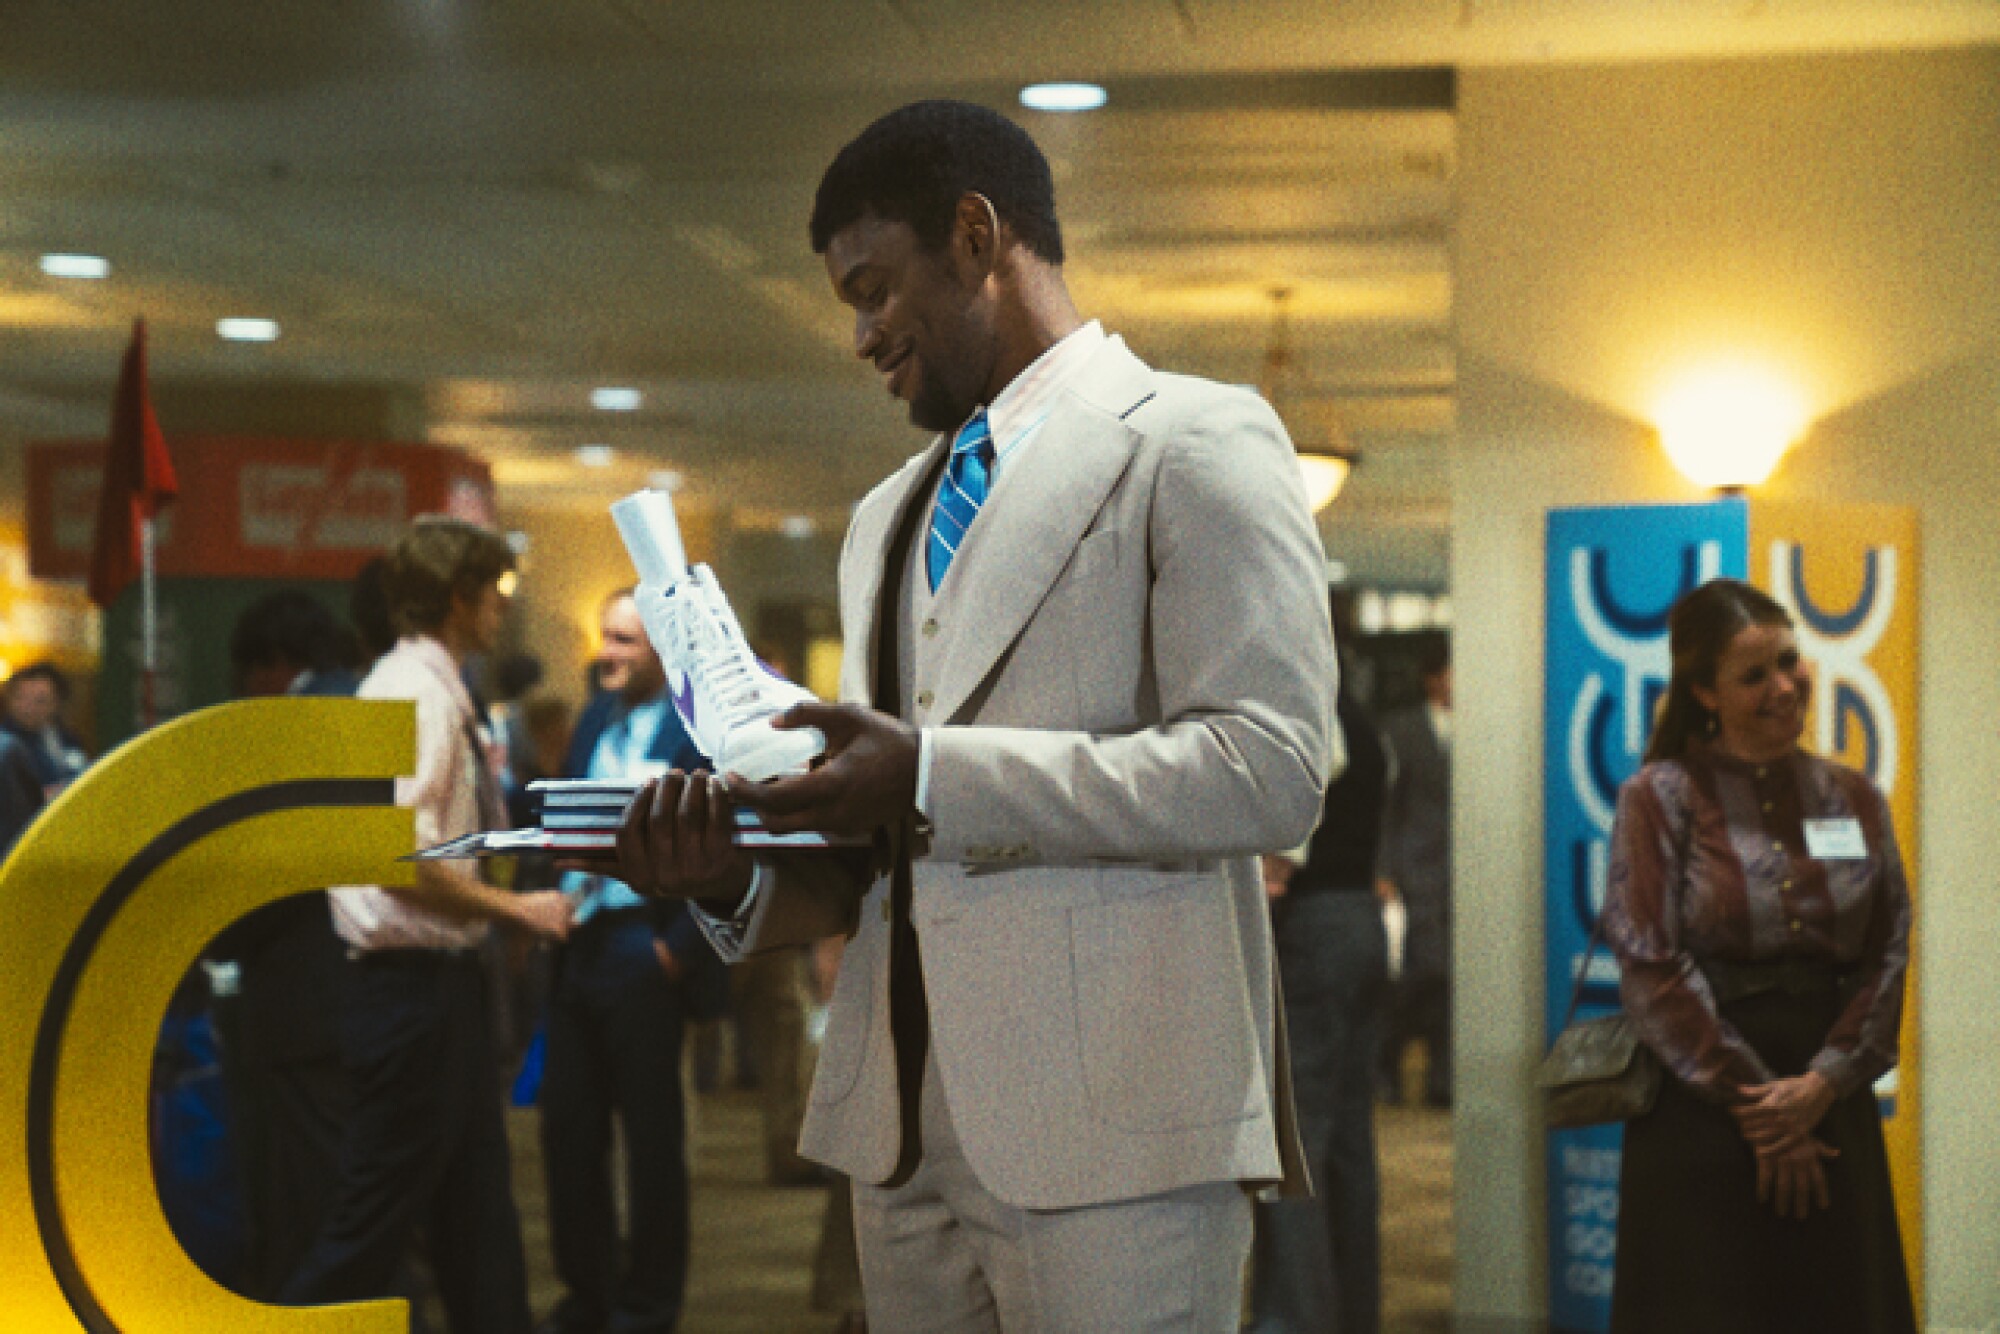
(1325, 471)
(1726, 428)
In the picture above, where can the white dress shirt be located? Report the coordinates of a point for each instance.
(444, 795)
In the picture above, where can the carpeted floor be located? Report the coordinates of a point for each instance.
(753, 1244)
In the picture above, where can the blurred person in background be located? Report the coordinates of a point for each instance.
(425, 1150)
(510, 680)
(31, 705)
(517, 964)
(546, 726)
(1317, 1263)
(278, 1020)
(624, 983)
(1415, 871)
(22, 794)
(368, 610)
(547, 723)
(1757, 906)
(289, 643)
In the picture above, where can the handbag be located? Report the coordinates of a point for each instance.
(1599, 1071)
(1596, 1071)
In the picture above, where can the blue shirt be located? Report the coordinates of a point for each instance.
(622, 752)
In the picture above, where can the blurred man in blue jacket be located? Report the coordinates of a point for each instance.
(624, 980)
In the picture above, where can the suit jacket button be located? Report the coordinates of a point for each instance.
(924, 698)
(930, 627)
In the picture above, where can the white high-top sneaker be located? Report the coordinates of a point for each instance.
(724, 695)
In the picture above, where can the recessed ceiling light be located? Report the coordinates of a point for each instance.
(798, 527)
(666, 479)
(241, 330)
(616, 400)
(76, 266)
(595, 456)
(1063, 97)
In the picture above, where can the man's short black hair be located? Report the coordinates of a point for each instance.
(290, 627)
(914, 165)
(368, 608)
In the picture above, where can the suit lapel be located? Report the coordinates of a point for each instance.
(877, 525)
(1044, 502)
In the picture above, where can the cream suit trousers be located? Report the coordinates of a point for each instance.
(941, 1255)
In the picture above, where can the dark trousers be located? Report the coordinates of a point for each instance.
(289, 1098)
(614, 1048)
(1318, 1265)
(425, 1149)
(292, 1122)
(1420, 1011)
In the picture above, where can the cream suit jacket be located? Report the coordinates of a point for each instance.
(1131, 684)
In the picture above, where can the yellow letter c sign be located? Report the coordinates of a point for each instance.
(104, 905)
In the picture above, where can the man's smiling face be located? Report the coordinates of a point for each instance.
(917, 316)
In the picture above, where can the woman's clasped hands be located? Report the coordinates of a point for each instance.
(1778, 1122)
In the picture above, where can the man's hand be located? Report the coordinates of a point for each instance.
(678, 840)
(545, 912)
(668, 963)
(1792, 1178)
(1386, 891)
(1784, 1111)
(867, 779)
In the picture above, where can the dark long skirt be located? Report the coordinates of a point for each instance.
(1697, 1252)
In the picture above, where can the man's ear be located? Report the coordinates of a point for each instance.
(977, 225)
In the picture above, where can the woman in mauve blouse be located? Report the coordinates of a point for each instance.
(1761, 919)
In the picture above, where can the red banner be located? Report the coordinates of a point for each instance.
(255, 507)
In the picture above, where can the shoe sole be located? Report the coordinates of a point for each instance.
(761, 751)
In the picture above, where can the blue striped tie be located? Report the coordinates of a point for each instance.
(959, 499)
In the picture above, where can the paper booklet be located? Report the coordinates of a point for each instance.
(581, 817)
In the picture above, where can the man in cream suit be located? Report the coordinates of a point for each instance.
(1089, 677)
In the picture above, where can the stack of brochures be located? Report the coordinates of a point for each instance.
(580, 817)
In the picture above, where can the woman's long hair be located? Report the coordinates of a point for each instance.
(1699, 630)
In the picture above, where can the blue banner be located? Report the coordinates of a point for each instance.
(1613, 574)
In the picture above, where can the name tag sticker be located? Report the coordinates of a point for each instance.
(1835, 840)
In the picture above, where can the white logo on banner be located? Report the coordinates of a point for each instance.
(1838, 645)
(1639, 661)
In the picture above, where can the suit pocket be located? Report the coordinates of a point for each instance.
(1096, 556)
(1163, 1009)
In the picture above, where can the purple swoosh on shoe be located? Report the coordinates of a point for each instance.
(684, 703)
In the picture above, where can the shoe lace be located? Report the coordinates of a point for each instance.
(724, 668)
